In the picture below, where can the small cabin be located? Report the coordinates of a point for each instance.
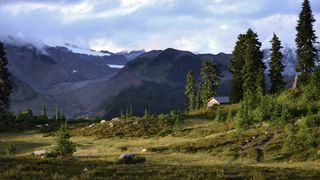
(218, 101)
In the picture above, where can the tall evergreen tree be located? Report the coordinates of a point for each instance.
(191, 91)
(253, 65)
(305, 40)
(44, 110)
(236, 68)
(198, 101)
(5, 85)
(276, 66)
(210, 81)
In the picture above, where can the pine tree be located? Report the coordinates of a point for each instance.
(276, 66)
(190, 91)
(210, 81)
(64, 148)
(253, 63)
(198, 101)
(236, 68)
(305, 40)
(57, 115)
(5, 84)
(44, 110)
(261, 87)
(146, 114)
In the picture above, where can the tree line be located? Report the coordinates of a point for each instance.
(248, 68)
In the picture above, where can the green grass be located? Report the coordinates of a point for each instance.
(200, 149)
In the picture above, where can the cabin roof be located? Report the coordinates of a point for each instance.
(221, 99)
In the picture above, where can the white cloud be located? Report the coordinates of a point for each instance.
(67, 9)
(116, 25)
(100, 44)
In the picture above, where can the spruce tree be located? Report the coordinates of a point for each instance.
(5, 84)
(57, 115)
(236, 68)
(190, 91)
(198, 101)
(210, 81)
(253, 65)
(276, 66)
(44, 110)
(64, 148)
(305, 40)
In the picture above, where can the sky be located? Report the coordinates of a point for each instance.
(201, 26)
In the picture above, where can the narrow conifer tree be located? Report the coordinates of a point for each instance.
(64, 148)
(253, 65)
(198, 101)
(190, 91)
(236, 68)
(44, 110)
(5, 84)
(305, 40)
(276, 66)
(210, 81)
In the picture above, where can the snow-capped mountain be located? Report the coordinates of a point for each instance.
(289, 60)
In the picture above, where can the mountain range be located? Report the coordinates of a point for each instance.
(82, 82)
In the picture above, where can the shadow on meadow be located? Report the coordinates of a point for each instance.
(21, 147)
(29, 168)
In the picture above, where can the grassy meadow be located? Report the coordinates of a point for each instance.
(200, 147)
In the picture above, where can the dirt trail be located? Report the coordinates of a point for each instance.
(260, 146)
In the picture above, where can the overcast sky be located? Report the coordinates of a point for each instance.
(210, 26)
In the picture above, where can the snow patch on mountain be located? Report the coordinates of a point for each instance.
(289, 60)
(115, 66)
(79, 50)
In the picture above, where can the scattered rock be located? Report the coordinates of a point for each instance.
(39, 126)
(39, 153)
(103, 121)
(92, 125)
(144, 150)
(47, 125)
(116, 119)
(131, 159)
(111, 124)
(85, 169)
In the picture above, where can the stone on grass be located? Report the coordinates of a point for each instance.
(103, 121)
(144, 150)
(115, 119)
(131, 159)
(39, 153)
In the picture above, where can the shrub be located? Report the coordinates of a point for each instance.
(11, 149)
(245, 118)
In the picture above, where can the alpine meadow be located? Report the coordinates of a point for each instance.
(159, 89)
